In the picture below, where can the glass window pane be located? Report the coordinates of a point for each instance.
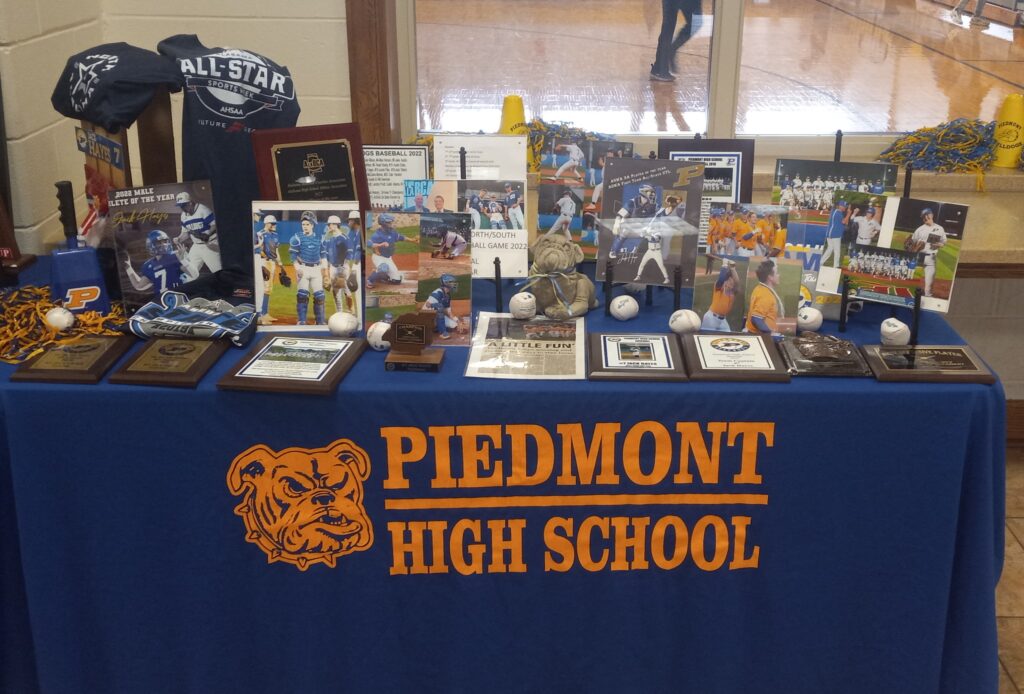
(871, 66)
(587, 63)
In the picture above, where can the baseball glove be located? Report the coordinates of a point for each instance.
(339, 283)
(266, 275)
(353, 283)
(914, 246)
(325, 275)
(284, 279)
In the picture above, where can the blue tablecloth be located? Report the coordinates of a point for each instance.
(849, 539)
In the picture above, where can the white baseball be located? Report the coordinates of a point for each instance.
(59, 318)
(684, 321)
(895, 333)
(342, 324)
(375, 336)
(809, 318)
(523, 305)
(625, 307)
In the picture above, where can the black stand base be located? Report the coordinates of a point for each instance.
(609, 278)
(499, 300)
(677, 287)
(844, 304)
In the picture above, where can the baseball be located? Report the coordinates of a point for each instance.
(684, 321)
(59, 318)
(375, 336)
(809, 318)
(895, 333)
(342, 324)
(523, 305)
(625, 307)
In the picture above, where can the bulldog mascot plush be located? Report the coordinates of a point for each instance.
(561, 291)
(303, 506)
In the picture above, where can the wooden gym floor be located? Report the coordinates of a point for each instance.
(808, 66)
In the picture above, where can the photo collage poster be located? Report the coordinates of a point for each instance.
(445, 275)
(813, 191)
(745, 282)
(914, 245)
(571, 190)
(649, 220)
(308, 263)
(164, 236)
(721, 183)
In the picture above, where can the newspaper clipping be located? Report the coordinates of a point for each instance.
(538, 349)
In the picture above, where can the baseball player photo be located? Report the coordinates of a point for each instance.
(164, 236)
(392, 245)
(445, 274)
(719, 297)
(307, 256)
(198, 233)
(773, 296)
(560, 210)
(497, 213)
(649, 220)
(935, 230)
(568, 160)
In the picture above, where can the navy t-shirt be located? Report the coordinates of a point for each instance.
(229, 92)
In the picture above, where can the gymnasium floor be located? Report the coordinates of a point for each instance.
(808, 66)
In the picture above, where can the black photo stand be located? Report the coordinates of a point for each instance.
(609, 287)
(839, 146)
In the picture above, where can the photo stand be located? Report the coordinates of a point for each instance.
(915, 321)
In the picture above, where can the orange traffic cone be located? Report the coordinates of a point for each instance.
(1010, 132)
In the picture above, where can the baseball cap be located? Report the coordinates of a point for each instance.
(353, 215)
(112, 84)
(334, 219)
(182, 198)
(270, 219)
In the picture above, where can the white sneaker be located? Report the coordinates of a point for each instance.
(979, 22)
(955, 16)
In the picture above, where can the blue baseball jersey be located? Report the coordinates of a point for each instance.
(335, 249)
(200, 224)
(164, 271)
(512, 199)
(267, 243)
(877, 188)
(439, 300)
(307, 249)
(390, 237)
(474, 202)
(835, 224)
(355, 243)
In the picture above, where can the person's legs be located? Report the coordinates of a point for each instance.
(663, 54)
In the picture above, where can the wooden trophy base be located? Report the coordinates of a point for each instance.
(429, 360)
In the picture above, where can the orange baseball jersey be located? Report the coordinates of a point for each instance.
(721, 301)
(765, 305)
(741, 229)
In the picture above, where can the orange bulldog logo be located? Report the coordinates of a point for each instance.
(303, 506)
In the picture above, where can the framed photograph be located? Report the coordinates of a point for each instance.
(171, 362)
(392, 242)
(315, 162)
(650, 220)
(164, 235)
(308, 263)
(634, 357)
(737, 155)
(445, 281)
(734, 357)
(81, 361)
(938, 363)
(295, 364)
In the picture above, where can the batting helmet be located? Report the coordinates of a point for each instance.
(353, 215)
(182, 199)
(308, 216)
(647, 190)
(334, 219)
(927, 211)
(386, 219)
(840, 203)
(270, 219)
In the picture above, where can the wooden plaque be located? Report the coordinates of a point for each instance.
(634, 357)
(82, 361)
(316, 162)
(733, 357)
(295, 364)
(938, 363)
(170, 362)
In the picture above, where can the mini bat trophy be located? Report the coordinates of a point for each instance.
(410, 337)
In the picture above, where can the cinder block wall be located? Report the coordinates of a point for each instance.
(37, 36)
